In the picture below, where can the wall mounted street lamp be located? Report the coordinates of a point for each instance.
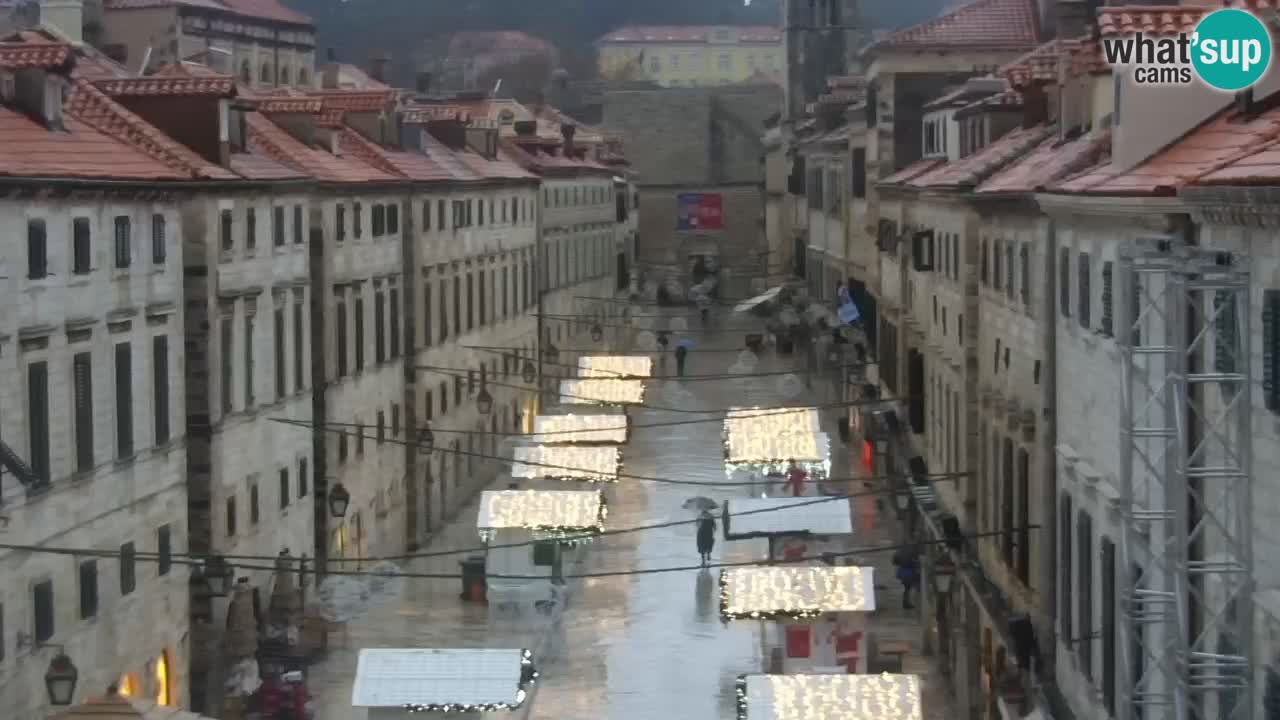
(944, 572)
(529, 372)
(218, 575)
(484, 401)
(597, 333)
(426, 439)
(60, 679)
(339, 499)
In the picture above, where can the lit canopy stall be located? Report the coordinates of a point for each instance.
(816, 615)
(528, 532)
(604, 429)
(412, 684)
(567, 462)
(795, 527)
(761, 441)
(830, 697)
(601, 391)
(615, 366)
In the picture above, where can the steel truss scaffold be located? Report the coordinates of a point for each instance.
(1186, 568)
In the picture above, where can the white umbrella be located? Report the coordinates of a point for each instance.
(764, 297)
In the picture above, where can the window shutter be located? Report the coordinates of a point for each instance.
(1025, 258)
(225, 221)
(160, 387)
(82, 388)
(984, 264)
(128, 568)
(280, 361)
(228, 345)
(1065, 586)
(123, 253)
(158, 250)
(38, 419)
(1064, 282)
(997, 261)
(88, 589)
(1084, 300)
(277, 226)
(1009, 269)
(297, 225)
(251, 229)
(916, 385)
(1084, 592)
(379, 326)
(248, 360)
(1108, 629)
(1107, 303)
(1271, 349)
(393, 219)
(299, 346)
(359, 334)
(1224, 340)
(42, 605)
(37, 250)
(81, 251)
(124, 400)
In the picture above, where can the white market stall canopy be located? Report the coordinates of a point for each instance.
(569, 462)
(606, 429)
(615, 366)
(786, 516)
(601, 391)
(830, 697)
(442, 680)
(796, 591)
(761, 435)
(547, 512)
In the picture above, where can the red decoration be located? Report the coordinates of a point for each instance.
(868, 455)
(798, 641)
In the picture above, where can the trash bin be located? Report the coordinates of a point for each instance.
(473, 578)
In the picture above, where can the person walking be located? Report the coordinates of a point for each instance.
(908, 572)
(796, 477)
(682, 352)
(706, 536)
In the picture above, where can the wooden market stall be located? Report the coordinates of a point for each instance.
(532, 534)
(425, 683)
(849, 697)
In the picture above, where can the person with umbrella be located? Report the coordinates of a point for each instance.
(908, 572)
(706, 535)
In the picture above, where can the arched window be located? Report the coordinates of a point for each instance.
(246, 74)
(163, 690)
(284, 75)
(304, 77)
(265, 76)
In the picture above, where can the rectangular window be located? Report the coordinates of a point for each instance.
(428, 405)
(382, 427)
(484, 317)
(340, 221)
(457, 391)
(1065, 586)
(226, 223)
(281, 362)
(42, 607)
(302, 478)
(395, 322)
(1108, 629)
(1010, 270)
(299, 347)
(457, 305)
(1023, 470)
(160, 387)
(379, 328)
(1008, 539)
(1064, 282)
(506, 293)
(379, 221)
(393, 219)
(164, 549)
(427, 318)
(357, 220)
(997, 259)
(81, 249)
(1271, 349)
(124, 400)
(123, 252)
(227, 346)
(254, 514)
(471, 302)
(37, 250)
(230, 516)
(88, 589)
(444, 308)
(297, 225)
(248, 361)
(128, 568)
(1085, 300)
(359, 333)
(1024, 258)
(342, 447)
(444, 397)
(283, 479)
(250, 229)
(38, 417)
(426, 215)
(82, 388)
(1107, 303)
(1084, 592)
(342, 339)
(158, 250)
(859, 184)
(277, 226)
(395, 420)
(440, 215)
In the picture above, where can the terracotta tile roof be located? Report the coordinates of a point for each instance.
(218, 86)
(357, 100)
(504, 168)
(92, 64)
(279, 145)
(1166, 20)
(406, 164)
(256, 165)
(91, 106)
(33, 50)
(995, 24)
(289, 105)
(689, 34)
(1051, 160)
(331, 118)
(449, 160)
(256, 9)
(1219, 143)
(1039, 65)
(28, 149)
(1008, 100)
(538, 162)
(915, 169)
(974, 168)
(1260, 167)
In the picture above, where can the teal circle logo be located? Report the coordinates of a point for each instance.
(1231, 49)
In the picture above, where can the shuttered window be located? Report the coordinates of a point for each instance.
(82, 389)
(124, 400)
(158, 232)
(1225, 345)
(123, 251)
(393, 219)
(1271, 349)
(471, 302)
(38, 417)
(297, 225)
(37, 250)
(342, 339)
(42, 610)
(379, 328)
(164, 549)
(254, 508)
(379, 221)
(340, 222)
(1010, 271)
(225, 223)
(428, 328)
(81, 247)
(1025, 259)
(1084, 593)
(128, 568)
(160, 387)
(299, 347)
(1108, 629)
(440, 221)
(395, 322)
(250, 229)
(382, 427)
(1064, 282)
(1108, 288)
(359, 333)
(984, 263)
(228, 343)
(484, 296)
(277, 226)
(1065, 586)
(1008, 537)
(1084, 299)
(302, 478)
(231, 516)
(357, 221)
(280, 360)
(283, 479)
(248, 361)
(88, 589)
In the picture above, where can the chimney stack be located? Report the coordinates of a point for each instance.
(422, 82)
(567, 131)
(329, 76)
(378, 68)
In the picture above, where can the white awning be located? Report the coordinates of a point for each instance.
(764, 297)
(847, 697)
(786, 516)
(395, 678)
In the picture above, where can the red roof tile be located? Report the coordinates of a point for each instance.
(256, 165)
(282, 147)
(411, 165)
(1260, 167)
(285, 106)
(916, 168)
(357, 100)
(1039, 65)
(973, 169)
(689, 34)
(28, 149)
(999, 24)
(1149, 20)
(1221, 142)
(219, 86)
(33, 52)
(257, 9)
(1051, 160)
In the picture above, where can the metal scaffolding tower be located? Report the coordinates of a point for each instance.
(1186, 610)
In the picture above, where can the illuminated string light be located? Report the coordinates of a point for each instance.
(830, 697)
(765, 592)
(604, 429)
(753, 437)
(615, 366)
(567, 462)
(566, 515)
(601, 391)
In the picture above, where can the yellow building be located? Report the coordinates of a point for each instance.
(692, 55)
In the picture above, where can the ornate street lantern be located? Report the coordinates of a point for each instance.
(60, 679)
(426, 440)
(944, 572)
(529, 372)
(597, 333)
(218, 575)
(484, 402)
(339, 499)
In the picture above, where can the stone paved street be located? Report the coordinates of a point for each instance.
(649, 645)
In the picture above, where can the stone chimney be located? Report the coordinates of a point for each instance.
(567, 131)
(329, 75)
(378, 67)
(67, 16)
